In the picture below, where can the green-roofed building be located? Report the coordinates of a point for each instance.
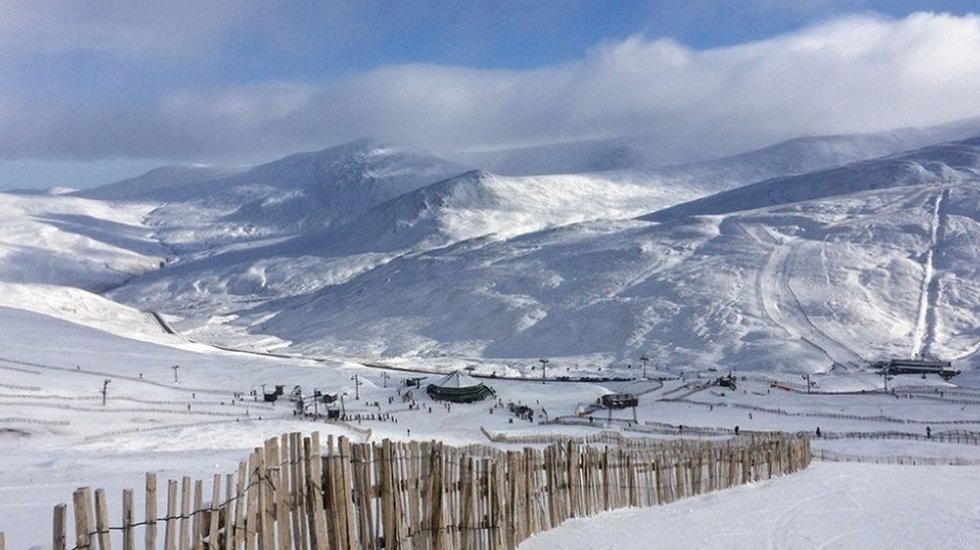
(458, 387)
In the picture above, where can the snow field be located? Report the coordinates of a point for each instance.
(847, 506)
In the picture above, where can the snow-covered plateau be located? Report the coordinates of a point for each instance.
(140, 322)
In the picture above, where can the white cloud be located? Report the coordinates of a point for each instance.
(119, 27)
(853, 74)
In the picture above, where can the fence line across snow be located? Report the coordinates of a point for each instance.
(293, 494)
(903, 460)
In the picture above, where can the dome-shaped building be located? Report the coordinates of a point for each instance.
(458, 387)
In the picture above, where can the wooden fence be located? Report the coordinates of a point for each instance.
(901, 460)
(293, 494)
(833, 415)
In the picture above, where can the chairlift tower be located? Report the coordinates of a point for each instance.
(544, 368)
(105, 390)
(357, 387)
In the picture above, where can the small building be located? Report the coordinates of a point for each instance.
(619, 400)
(273, 396)
(919, 366)
(458, 387)
(727, 382)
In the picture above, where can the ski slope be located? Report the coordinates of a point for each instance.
(781, 304)
(846, 506)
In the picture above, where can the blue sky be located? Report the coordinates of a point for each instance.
(93, 91)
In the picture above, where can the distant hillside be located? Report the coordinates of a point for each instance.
(935, 164)
(157, 182)
(795, 156)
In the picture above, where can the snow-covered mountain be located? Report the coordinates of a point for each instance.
(228, 255)
(795, 156)
(325, 187)
(567, 158)
(849, 278)
(157, 183)
(375, 250)
(302, 193)
(883, 267)
(475, 205)
(58, 253)
(943, 163)
(479, 204)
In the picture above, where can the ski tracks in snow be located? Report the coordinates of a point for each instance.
(926, 320)
(780, 303)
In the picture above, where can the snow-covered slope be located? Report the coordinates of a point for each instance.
(59, 240)
(204, 210)
(474, 205)
(158, 182)
(248, 241)
(367, 250)
(860, 262)
(795, 156)
(883, 266)
(301, 193)
(478, 204)
(567, 158)
(58, 252)
(336, 184)
(947, 162)
(841, 280)
(842, 506)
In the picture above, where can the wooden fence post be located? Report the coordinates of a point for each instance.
(185, 513)
(310, 496)
(281, 463)
(238, 527)
(436, 498)
(265, 525)
(346, 488)
(150, 517)
(228, 512)
(198, 519)
(253, 513)
(84, 519)
(127, 520)
(318, 523)
(214, 512)
(58, 524)
(170, 527)
(387, 491)
(102, 520)
(301, 529)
